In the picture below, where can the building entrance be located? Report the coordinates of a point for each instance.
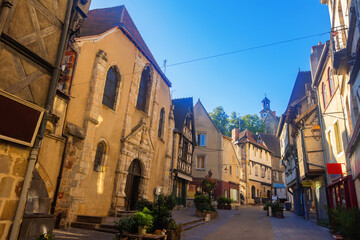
(132, 184)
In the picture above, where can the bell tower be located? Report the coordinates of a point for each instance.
(265, 107)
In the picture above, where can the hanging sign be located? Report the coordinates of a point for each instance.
(20, 120)
(307, 183)
(334, 168)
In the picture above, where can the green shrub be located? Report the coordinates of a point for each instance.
(221, 200)
(201, 199)
(228, 201)
(142, 203)
(161, 211)
(267, 205)
(126, 225)
(224, 200)
(345, 222)
(276, 207)
(143, 218)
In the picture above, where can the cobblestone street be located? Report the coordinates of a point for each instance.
(252, 223)
(247, 223)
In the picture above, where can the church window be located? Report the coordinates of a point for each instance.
(111, 87)
(330, 82)
(161, 124)
(99, 156)
(144, 89)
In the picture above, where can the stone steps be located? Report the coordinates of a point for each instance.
(193, 224)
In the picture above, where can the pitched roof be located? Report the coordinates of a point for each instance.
(104, 19)
(298, 92)
(246, 136)
(315, 55)
(181, 107)
(272, 142)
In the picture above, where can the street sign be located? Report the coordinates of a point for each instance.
(307, 183)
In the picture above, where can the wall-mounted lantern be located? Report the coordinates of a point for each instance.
(316, 132)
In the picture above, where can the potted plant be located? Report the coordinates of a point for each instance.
(344, 224)
(224, 203)
(277, 210)
(175, 231)
(125, 225)
(143, 220)
(267, 207)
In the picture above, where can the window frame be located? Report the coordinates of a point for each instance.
(144, 90)
(99, 163)
(115, 88)
(199, 140)
(161, 127)
(204, 162)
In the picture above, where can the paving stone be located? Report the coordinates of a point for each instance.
(9, 210)
(5, 164)
(6, 186)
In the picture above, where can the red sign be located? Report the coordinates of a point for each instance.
(334, 168)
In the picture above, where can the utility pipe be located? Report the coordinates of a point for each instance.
(35, 149)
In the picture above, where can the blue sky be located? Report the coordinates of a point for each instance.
(188, 29)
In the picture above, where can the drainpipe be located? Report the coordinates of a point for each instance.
(172, 162)
(35, 149)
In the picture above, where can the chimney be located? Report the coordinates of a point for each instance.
(235, 134)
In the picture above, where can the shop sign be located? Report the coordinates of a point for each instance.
(20, 120)
(307, 183)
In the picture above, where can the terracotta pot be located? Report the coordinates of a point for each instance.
(337, 236)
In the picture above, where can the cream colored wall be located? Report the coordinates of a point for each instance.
(158, 163)
(110, 127)
(331, 113)
(230, 159)
(212, 150)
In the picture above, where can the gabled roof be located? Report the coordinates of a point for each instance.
(317, 62)
(104, 19)
(271, 142)
(182, 106)
(202, 106)
(298, 92)
(246, 136)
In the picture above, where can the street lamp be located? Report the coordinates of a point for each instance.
(316, 132)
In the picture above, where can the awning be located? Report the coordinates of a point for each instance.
(278, 185)
(183, 176)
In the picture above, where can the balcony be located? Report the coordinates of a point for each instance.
(338, 51)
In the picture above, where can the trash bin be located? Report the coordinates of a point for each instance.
(288, 206)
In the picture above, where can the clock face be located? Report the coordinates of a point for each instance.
(264, 114)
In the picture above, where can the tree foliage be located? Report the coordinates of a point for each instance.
(221, 119)
(226, 123)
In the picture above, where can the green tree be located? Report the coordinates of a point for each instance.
(253, 123)
(221, 119)
(233, 122)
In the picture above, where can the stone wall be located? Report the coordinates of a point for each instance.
(13, 165)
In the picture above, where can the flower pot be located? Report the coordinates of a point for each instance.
(141, 230)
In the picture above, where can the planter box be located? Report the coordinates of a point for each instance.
(171, 235)
(224, 206)
(278, 214)
(207, 215)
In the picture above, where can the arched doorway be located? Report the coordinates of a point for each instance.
(268, 193)
(253, 192)
(133, 184)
